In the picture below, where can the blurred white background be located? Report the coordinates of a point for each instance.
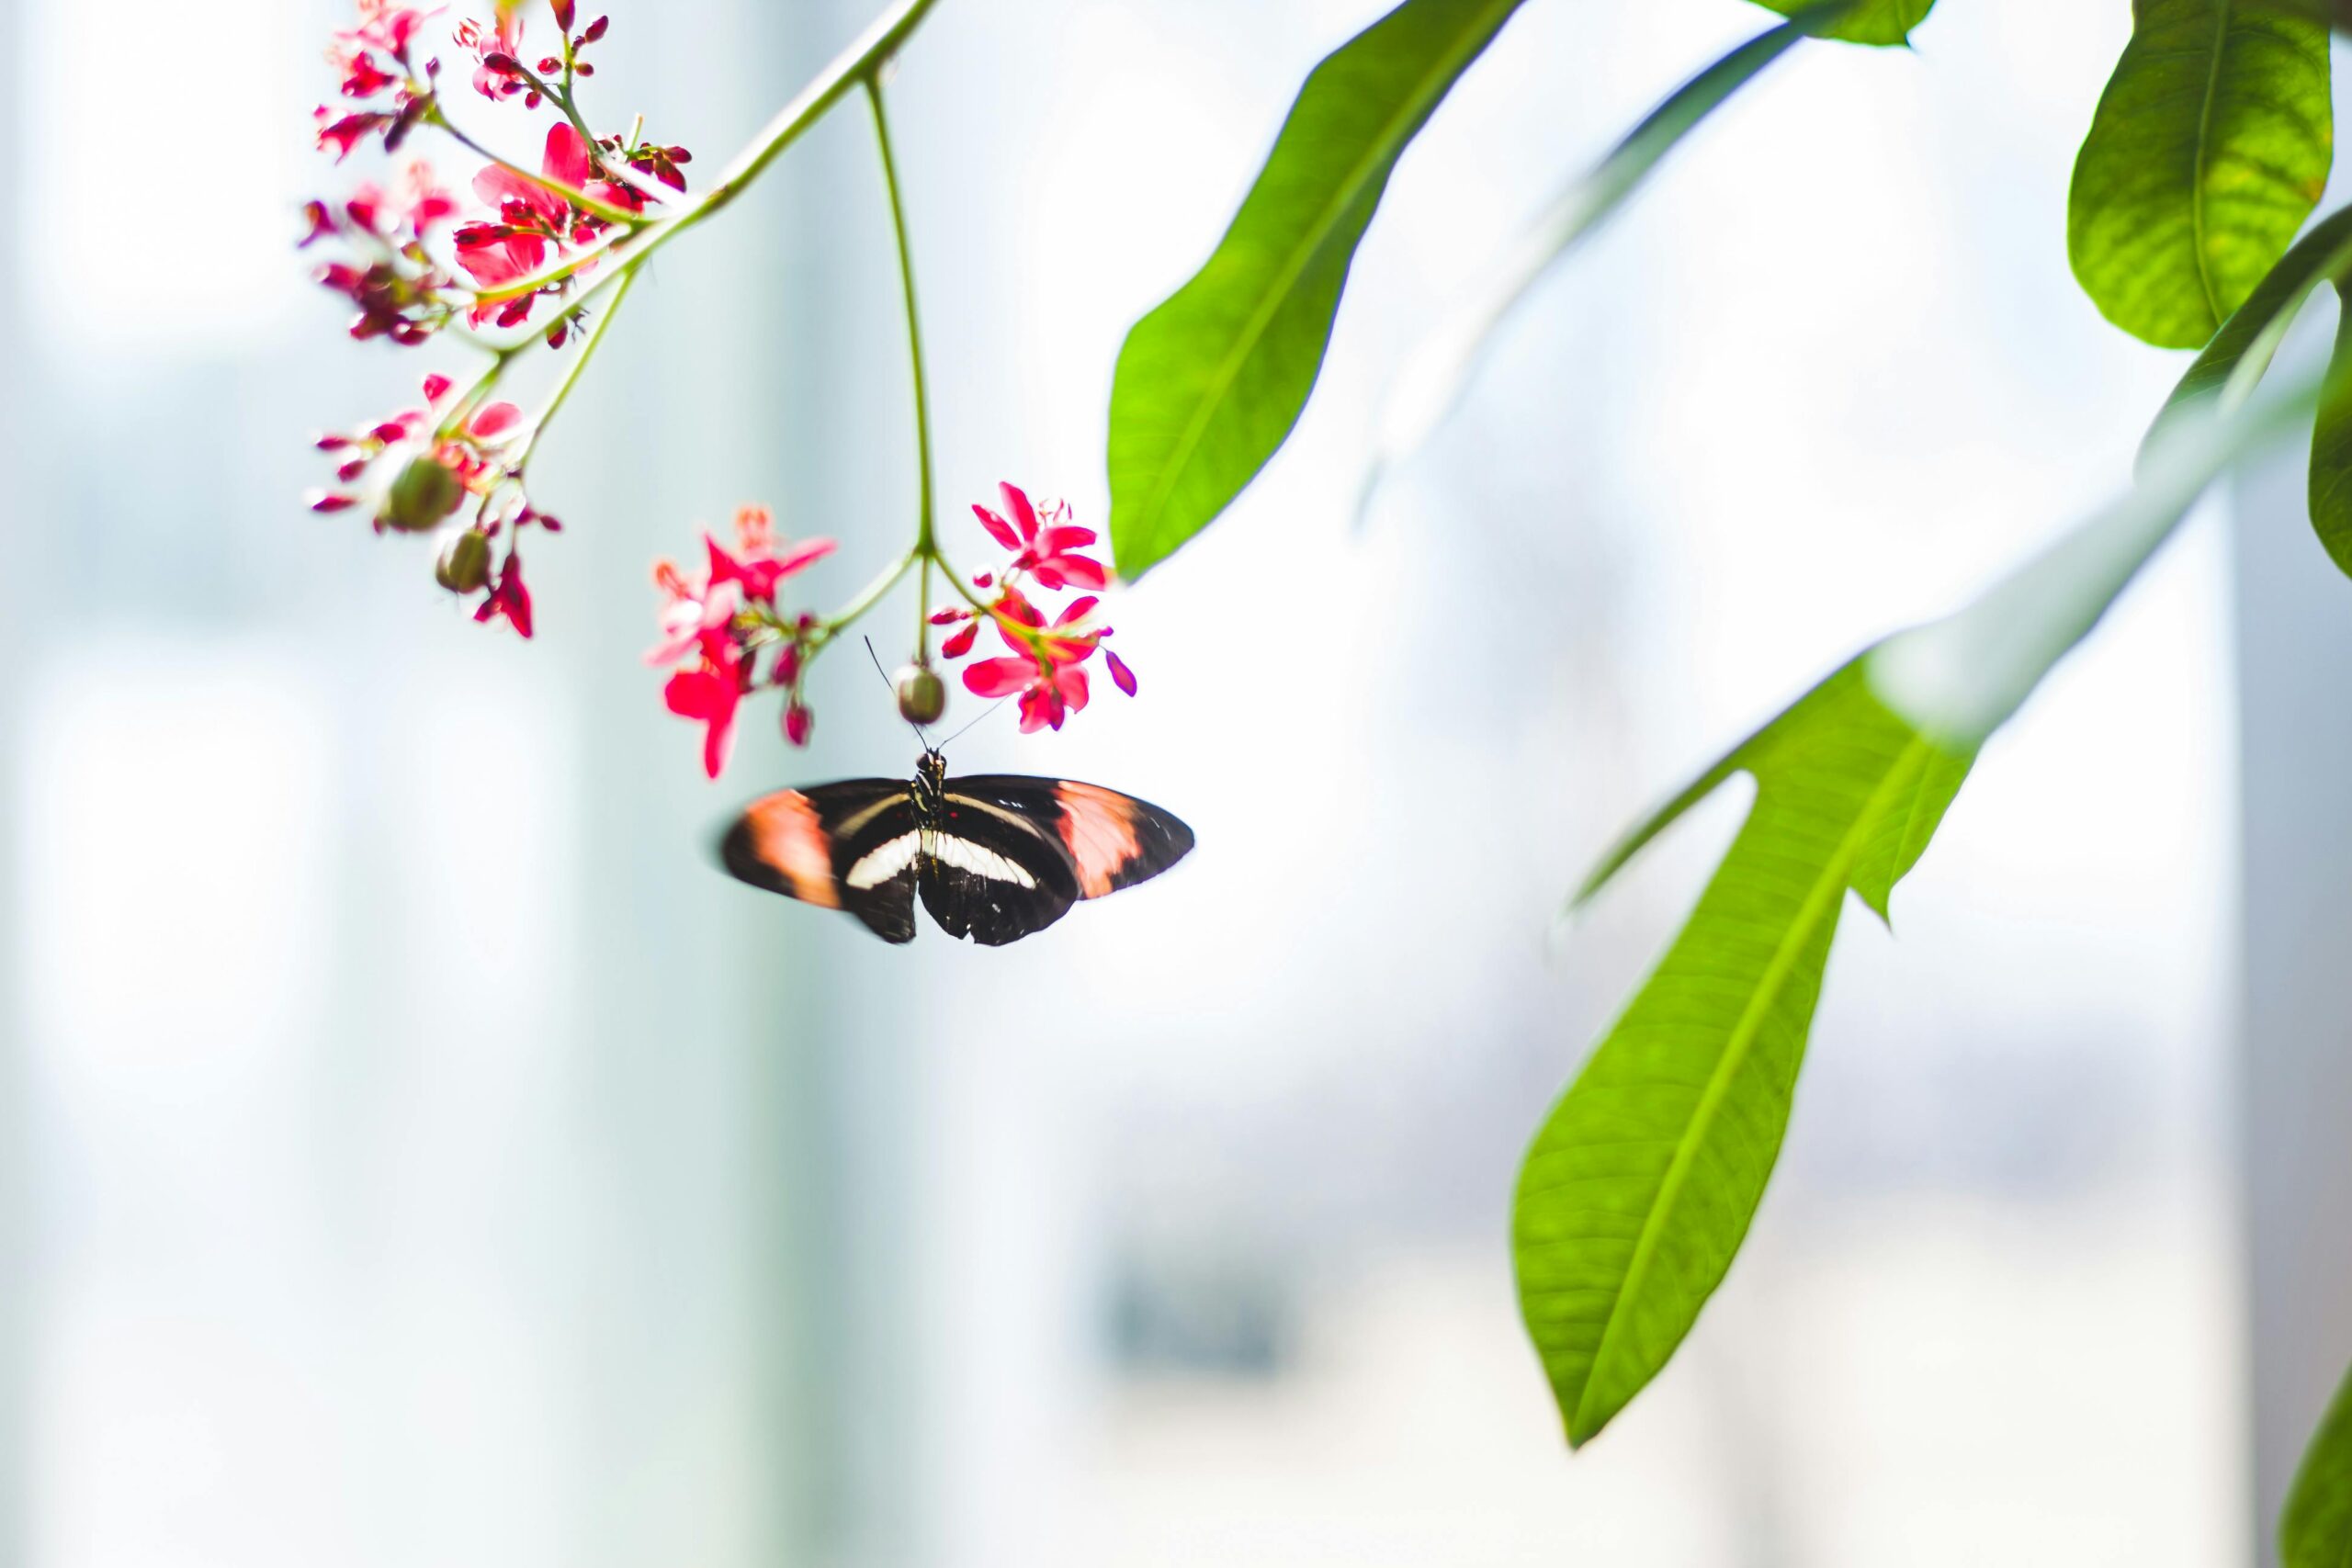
(418, 1153)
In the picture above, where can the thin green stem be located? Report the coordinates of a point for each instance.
(561, 98)
(621, 282)
(922, 611)
(924, 545)
(869, 596)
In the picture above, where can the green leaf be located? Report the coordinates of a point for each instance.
(1439, 369)
(1640, 1184)
(2208, 149)
(2331, 482)
(2315, 1532)
(1874, 21)
(1960, 678)
(2233, 364)
(1210, 383)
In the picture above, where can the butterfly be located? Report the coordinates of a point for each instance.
(996, 856)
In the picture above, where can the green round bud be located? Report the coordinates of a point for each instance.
(425, 492)
(464, 567)
(922, 696)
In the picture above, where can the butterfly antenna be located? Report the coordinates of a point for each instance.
(894, 692)
(959, 734)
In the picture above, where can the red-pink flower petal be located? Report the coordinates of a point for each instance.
(999, 529)
(1077, 610)
(1121, 676)
(566, 157)
(802, 556)
(1017, 507)
(436, 387)
(1070, 683)
(718, 744)
(961, 643)
(494, 420)
(1063, 537)
(1039, 707)
(999, 677)
(697, 694)
(1078, 570)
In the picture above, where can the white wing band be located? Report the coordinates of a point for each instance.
(965, 855)
(881, 863)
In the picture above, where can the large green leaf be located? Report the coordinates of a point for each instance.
(2233, 363)
(1439, 369)
(2331, 480)
(1642, 1182)
(1960, 678)
(1874, 21)
(1209, 384)
(2208, 149)
(2315, 1532)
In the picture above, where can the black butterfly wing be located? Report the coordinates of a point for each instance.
(992, 873)
(851, 846)
(1110, 841)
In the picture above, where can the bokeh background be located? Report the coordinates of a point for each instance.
(416, 1153)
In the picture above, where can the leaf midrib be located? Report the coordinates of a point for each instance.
(1229, 368)
(2221, 12)
(1828, 890)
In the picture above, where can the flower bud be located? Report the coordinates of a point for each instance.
(464, 567)
(798, 722)
(922, 696)
(425, 492)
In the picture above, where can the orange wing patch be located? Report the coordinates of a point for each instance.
(786, 835)
(1099, 828)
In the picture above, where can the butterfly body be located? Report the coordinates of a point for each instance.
(992, 856)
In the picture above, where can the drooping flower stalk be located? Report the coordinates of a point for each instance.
(573, 234)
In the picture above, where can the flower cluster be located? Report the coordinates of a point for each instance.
(534, 248)
(418, 259)
(1044, 666)
(392, 93)
(499, 70)
(528, 219)
(716, 626)
(447, 468)
(400, 290)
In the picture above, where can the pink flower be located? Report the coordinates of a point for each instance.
(527, 218)
(758, 573)
(498, 52)
(691, 614)
(370, 60)
(723, 619)
(508, 597)
(1048, 693)
(396, 284)
(709, 695)
(424, 203)
(1046, 548)
(1044, 669)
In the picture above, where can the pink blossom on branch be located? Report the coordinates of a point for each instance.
(722, 619)
(1046, 546)
(1043, 667)
(1044, 670)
